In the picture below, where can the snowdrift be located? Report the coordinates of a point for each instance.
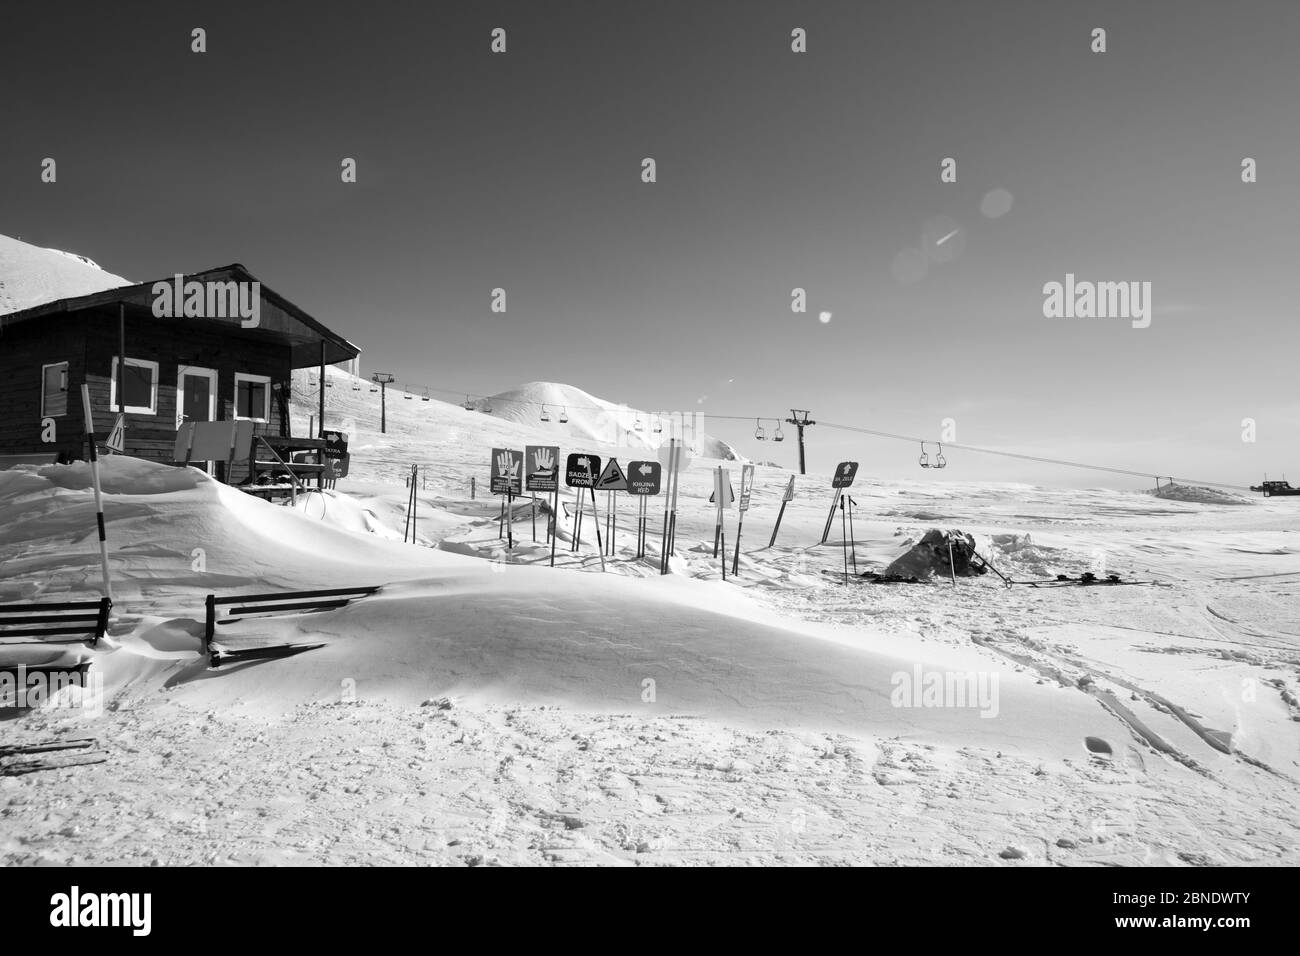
(479, 630)
(32, 276)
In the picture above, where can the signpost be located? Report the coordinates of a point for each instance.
(581, 471)
(725, 499)
(542, 465)
(99, 498)
(785, 500)
(507, 479)
(611, 480)
(674, 456)
(746, 489)
(643, 479)
(845, 472)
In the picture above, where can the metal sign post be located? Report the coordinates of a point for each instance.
(845, 472)
(746, 489)
(643, 479)
(723, 496)
(785, 500)
(581, 472)
(508, 480)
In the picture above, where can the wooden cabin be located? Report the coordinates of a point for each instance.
(207, 364)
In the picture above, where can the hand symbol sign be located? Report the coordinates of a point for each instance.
(543, 460)
(507, 464)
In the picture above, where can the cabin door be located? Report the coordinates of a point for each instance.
(196, 397)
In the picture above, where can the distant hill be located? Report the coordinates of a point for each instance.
(595, 419)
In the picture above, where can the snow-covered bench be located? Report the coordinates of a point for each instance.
(54, 623)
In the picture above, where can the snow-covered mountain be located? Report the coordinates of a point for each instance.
(31, 276)
(580, 415)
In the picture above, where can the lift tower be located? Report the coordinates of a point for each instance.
(800, 424)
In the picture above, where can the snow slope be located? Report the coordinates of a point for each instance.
(486, 708)
(593, 419)
(31, 276)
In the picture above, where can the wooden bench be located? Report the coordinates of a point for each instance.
(54, 623)
(270, 605)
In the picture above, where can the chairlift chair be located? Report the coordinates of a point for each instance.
(546, 416)
(425, 397)
(939, 460)
(759, 434)
(564, 414)
(779, 435)
(924, 460)
(659, 427)
(637, 426)
(373, 389)
(406, 393)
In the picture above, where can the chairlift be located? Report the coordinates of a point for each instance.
(406, 393)
(356, 386)
(564, 414)
(924, 460)
(659, 427)
(546, 416)
(425, 396)
(468, 406)
(779, 435)
(328, 383)
(373, 389)
(637, 426)
(939, 460)
(759, 434)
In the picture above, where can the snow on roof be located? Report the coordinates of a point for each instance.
(32, 276)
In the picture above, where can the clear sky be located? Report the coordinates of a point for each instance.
(775, 170)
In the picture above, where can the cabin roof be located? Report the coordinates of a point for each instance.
(285, 322)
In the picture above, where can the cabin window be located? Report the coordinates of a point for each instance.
(54, 390)
(141, 386)
(252, 397)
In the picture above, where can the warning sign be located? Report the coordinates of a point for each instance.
(746, 486)
(507, 471)
(543, 464)
(612, 478)
(117, 437)
(789, 491)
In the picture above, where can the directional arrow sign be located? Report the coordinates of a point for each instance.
(507, 471)
(581, 470)
(543, 465)
(643, 477)
(612, 478)
(845, 472)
